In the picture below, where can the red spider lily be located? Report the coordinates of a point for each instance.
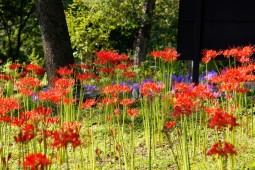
(18, 121)
(111, 56)
(85, 76)
(36, 161)
(207, 55)
(184, 104)
(83, 66)
(133, 112)
(64, 71)
(72, 125)
(222, 149)
(26, 134)
(129, 74)
(43, 111)
(6, 119)
(63, 83)
(27, 84)
(170, 124)
(108, 101)
(107, 70)
(14, 66)
(183, 87)
(51, 120)
(54, 95)
(221, 119)
(5, 77)
(65, 136)
(127, 102)
(88, 103)
(168, 54)
(121, 66)
(123, 88)
(212, 110)
(242, 54)
(149, 88)
(8, 104)
(232, 79)
(69, 101)
(31, 116)
(203, 91)
(116, 112)
(100, 62)
(47, 133)
(116, 89)
(35, 69)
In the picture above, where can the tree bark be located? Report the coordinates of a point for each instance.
(142, 42)
(55, 36)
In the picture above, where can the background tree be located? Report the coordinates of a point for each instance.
(143, 38)
(104, 24)
(18, 30)
(56, 41)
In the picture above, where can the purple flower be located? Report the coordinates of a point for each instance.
(135, 86)
(147, 80)
(34, 97)
(210, 75)
(90, 88)
(123, 83)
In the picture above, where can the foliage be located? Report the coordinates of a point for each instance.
(104, 24)
(19, 30)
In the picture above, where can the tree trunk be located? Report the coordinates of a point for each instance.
(55, 36)
(142, 41)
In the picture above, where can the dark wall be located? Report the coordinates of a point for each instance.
(214, 24)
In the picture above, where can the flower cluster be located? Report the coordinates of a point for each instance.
(36, 161)
(168, 54)
(222, 149)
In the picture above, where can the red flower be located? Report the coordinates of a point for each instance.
(127, 102)
(26, 134)
(43, 111)
(36, 161)
(4, 76)
(63, 83)
(26, 85)
(7, 105)
(207, 55)
(116, 89)
(170, 124)
(221, 119)
(149, 88)
(133, 112)
(108, 101)
(69, 101)
(111, 56)
(242, 54)
(121, 66)
(64, 71)
(14, 66)
(54, 95)
(168, 54)
(51, 120)
(88, 103)
(35, 69)
(222, 149)
(73, 125)
(85, 76)
(116, 112)
(65, 136)
(129, 74)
